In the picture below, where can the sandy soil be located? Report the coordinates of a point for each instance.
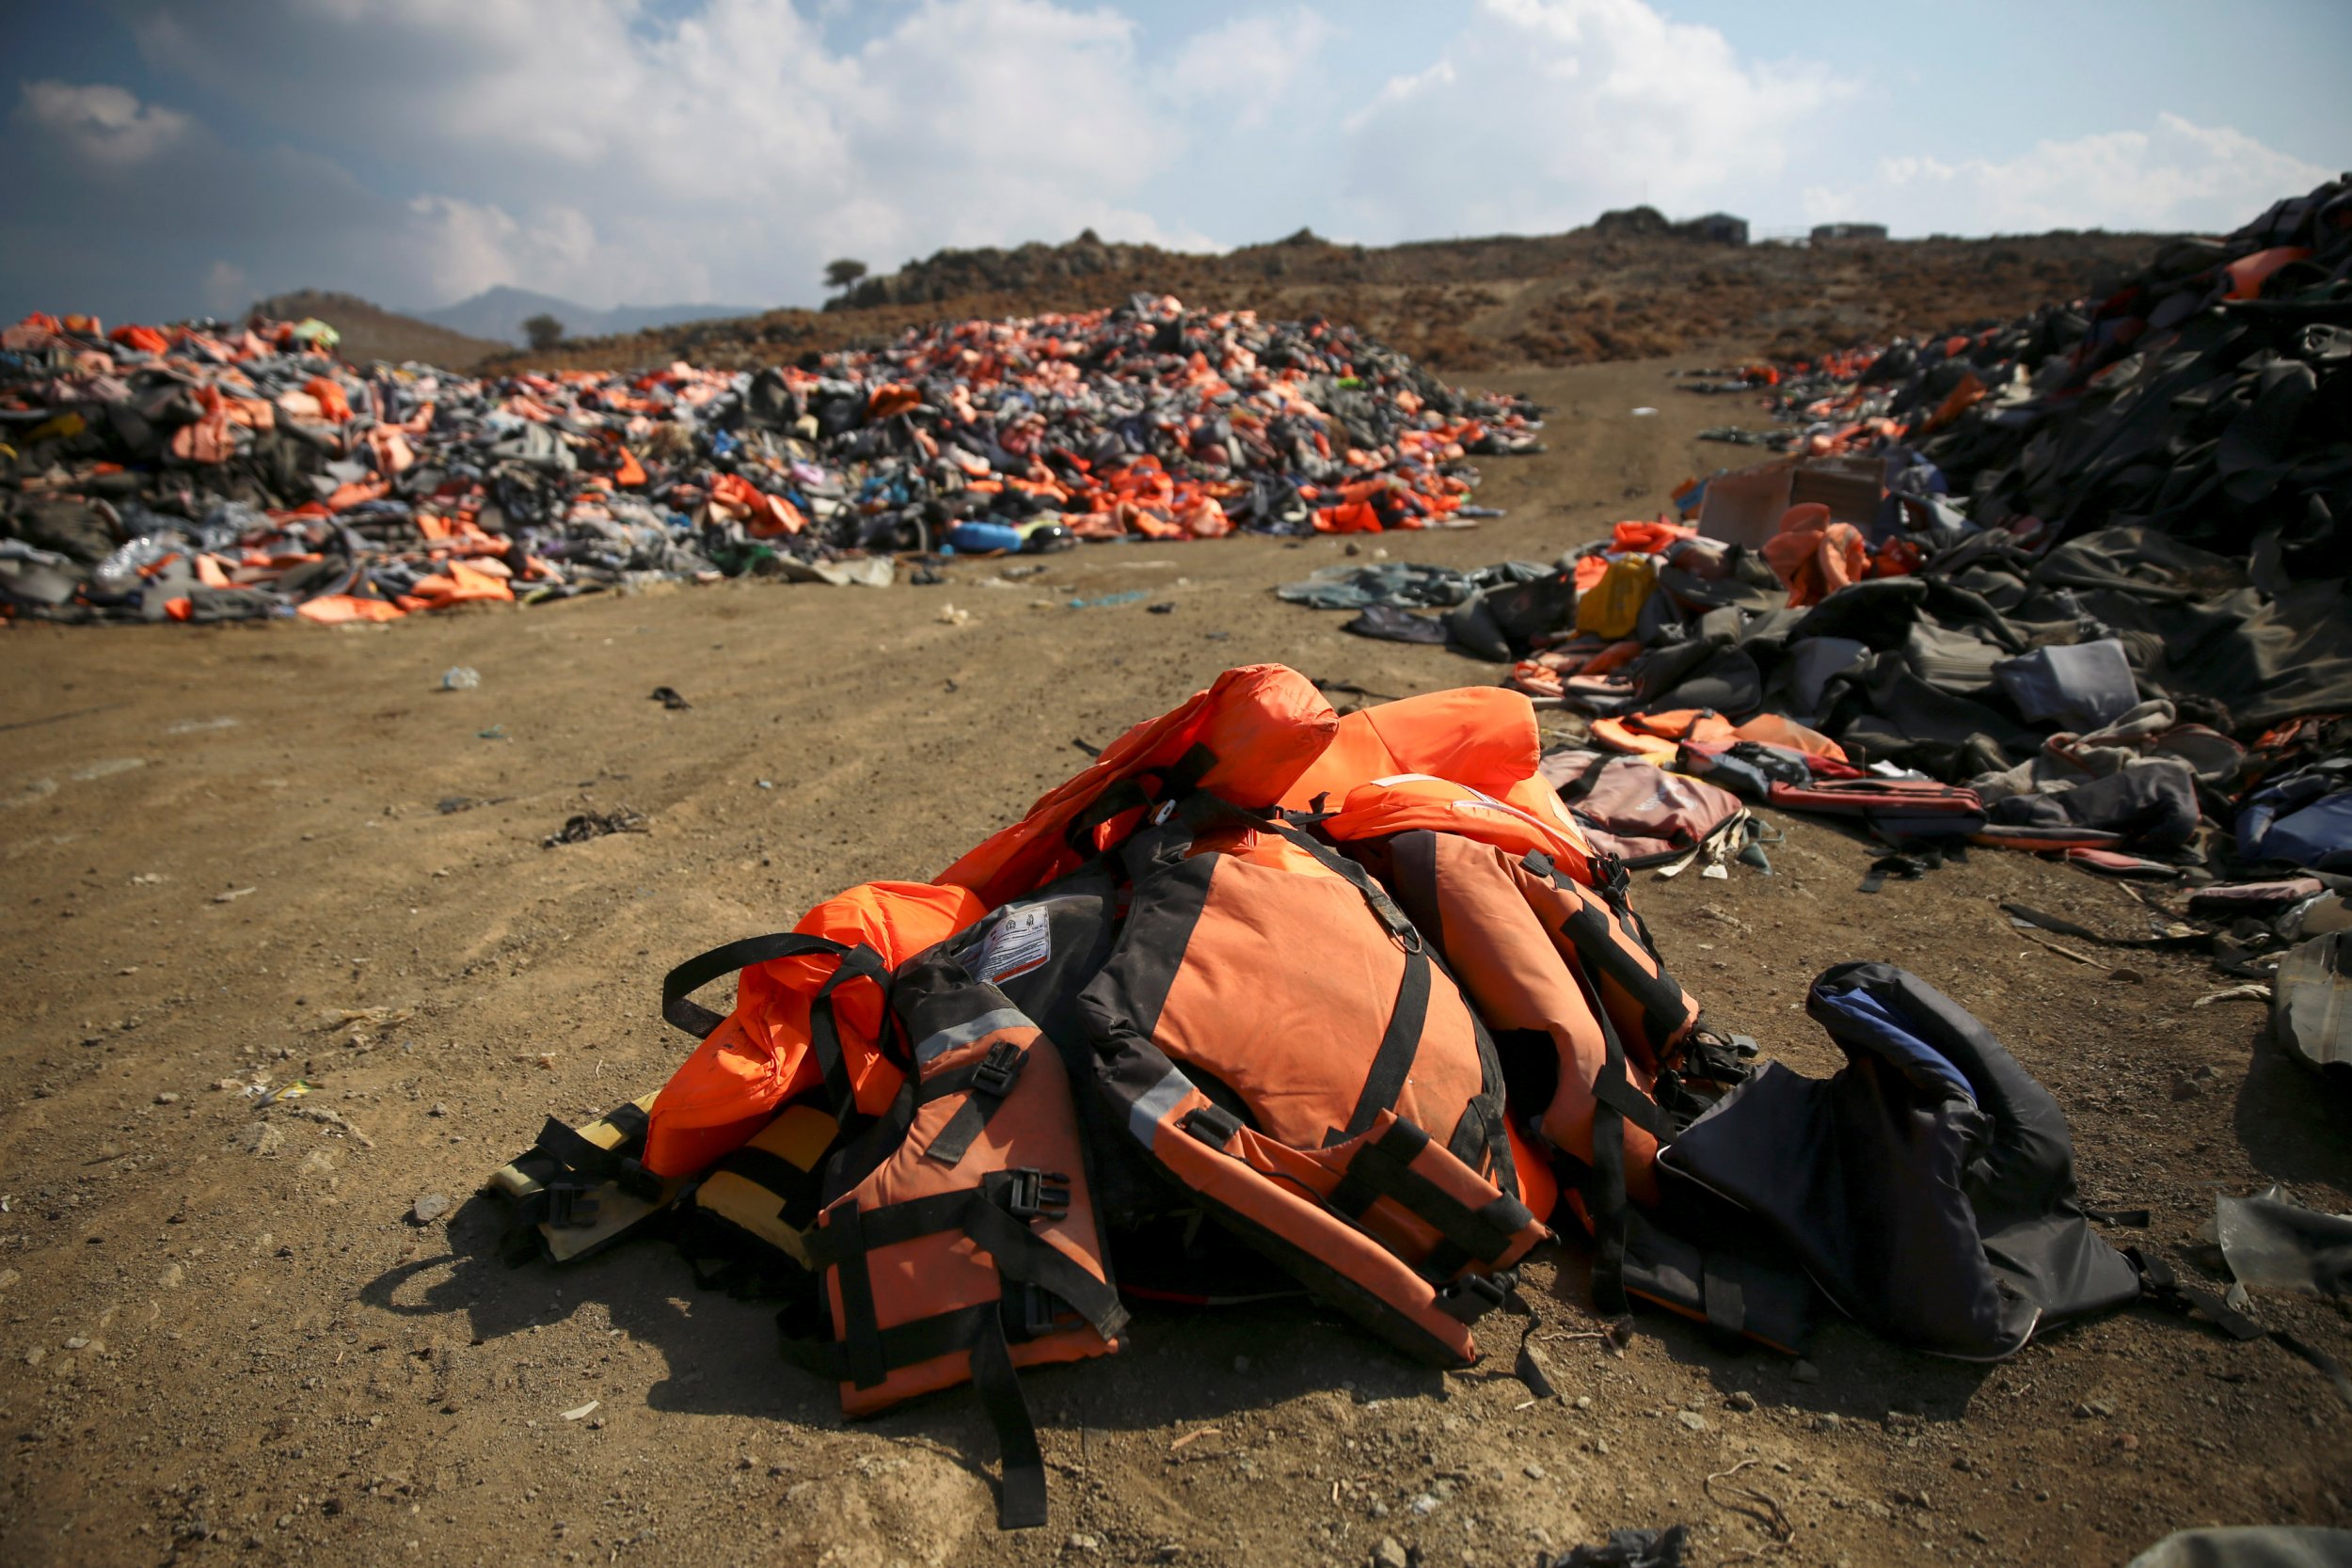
(221, 1337)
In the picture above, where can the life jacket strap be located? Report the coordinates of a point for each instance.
(1605, 1193)
(859, 962)
(679, 985)
(985, 1086)
(1174, 782)
(1383, 1168)
(569, 1148)
(995, 1215)
(1400, 1044)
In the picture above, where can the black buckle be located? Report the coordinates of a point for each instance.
(638, 1182)
(1028, 1311)
(999, 1067)
(1029, 1193)
(1472, 1296)
(571, 1205)
(1212, 1124)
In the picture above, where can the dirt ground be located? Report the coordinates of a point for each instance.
(222, 1337)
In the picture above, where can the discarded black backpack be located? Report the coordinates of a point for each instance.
(1927, 1186)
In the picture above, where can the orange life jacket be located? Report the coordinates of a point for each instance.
(1244, 740)
(1588, 1027)
(1485, 912)
(1657, 736)
(1339, 1108)
(971, 1247)
(1481, 737)
(809, 1011)
(1417, 800)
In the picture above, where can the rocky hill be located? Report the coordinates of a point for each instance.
(1626, 288)
(371, 332)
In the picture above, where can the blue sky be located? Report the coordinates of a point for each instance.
(178, 156)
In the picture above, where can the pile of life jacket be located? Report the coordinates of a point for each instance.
(1268, 1001)
(205, 473)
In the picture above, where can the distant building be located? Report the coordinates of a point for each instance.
(1638, 222)
(1829, 233)
(1720, 228)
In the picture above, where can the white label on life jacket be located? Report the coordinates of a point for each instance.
(1022, 940)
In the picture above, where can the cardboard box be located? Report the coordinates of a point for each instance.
(1745, 506)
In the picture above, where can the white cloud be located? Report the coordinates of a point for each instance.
(602, 150)
(101, 122)
(2178, 176)
(1542, 113)
(1245, 69)
(675, 150)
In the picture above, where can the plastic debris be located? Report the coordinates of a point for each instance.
(583, 826)
(2271, 1240)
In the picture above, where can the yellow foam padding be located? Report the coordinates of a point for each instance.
(800, 1137)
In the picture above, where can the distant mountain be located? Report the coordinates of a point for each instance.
(500, 314)
(371, 332)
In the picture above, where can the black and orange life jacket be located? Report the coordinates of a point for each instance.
(1538, 933)
(1278, 1040)
(808, 1016)
(966, 1242)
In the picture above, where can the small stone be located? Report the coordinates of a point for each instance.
(1826, 1421)
(1585, 1402)
(1692, 1420)
(1081, 1541)
(166, 1098)
(1741, 1400)
(1377, 1510)
(438, 1110)
(1424, 1505)
(428, 1208)
(1389, 1553)
(1169, 1551)
(1601, 1445)
(258, 1138)
(1532, 1472)
(2127, 1442)
(1805, 1371)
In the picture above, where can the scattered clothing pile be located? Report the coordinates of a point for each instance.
(1265, 1002)
(2075, 583)
(203, 474)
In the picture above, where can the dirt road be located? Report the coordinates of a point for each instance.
(253, 855)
